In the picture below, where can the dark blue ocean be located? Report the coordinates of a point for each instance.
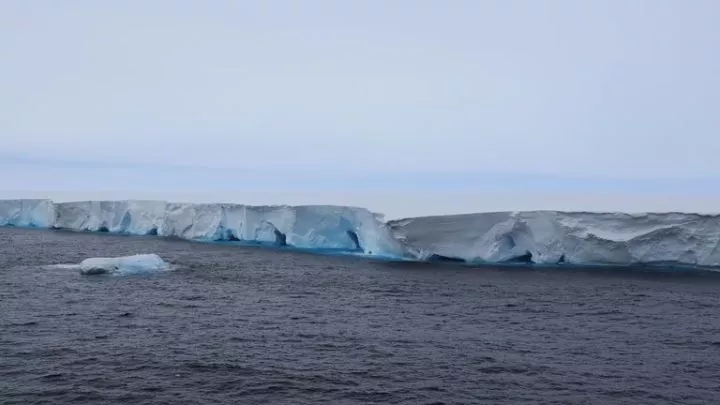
(243, 325)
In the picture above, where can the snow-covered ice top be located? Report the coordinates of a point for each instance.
(124, 265)
(551, 237)
(135, 264)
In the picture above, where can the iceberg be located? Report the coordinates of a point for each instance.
(320, 227)
(526, 237)
(27, 213)
(123, 265)
(135, 264)
(124, 217)
(552, 238)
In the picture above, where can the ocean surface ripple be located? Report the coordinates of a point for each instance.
(253, 326)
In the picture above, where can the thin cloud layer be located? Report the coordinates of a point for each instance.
(472, 94)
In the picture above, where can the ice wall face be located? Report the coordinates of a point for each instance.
(27, 213)
(543, 237)
(324, 227)
(129, 217)
(550, 237)
(310, 227)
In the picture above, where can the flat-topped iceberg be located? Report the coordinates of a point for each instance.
(321, 227)
(27, 213)
(538, 237)
(551, 237)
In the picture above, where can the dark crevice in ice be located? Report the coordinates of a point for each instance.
(280, 238)
(230, 235)
(524, 258)
(440, 258)
(354, 238)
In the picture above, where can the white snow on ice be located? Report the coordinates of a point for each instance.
(27, 213)
(308, 227)
(136, 264)
(552, 237)
(544, 237)
(123, 265)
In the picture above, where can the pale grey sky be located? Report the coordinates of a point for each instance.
(562, 96)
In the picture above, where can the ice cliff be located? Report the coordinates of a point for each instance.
(541, 237)
(550, 237)
(27, 213)
(309, 227)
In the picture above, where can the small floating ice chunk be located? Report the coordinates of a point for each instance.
(135, 264)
